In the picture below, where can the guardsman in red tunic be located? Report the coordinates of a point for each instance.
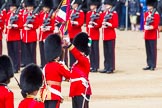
(53, 71)
(6, 72)
(13, 35)
(31, 80)
(29, 32)
(109, 35)
(92, 26)
(80, 89)
(2, 23)
(23, 63)
(45, 30)
(75, 24)
(151, 33)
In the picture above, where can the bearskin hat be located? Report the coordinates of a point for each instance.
(6, 68)
(56, 4)
(31, 79)
(13, 3)
(52, 47)
(82, 42)
(151, 3)
(95, 2)
(29, 2)
(48, 3)
(110, 2)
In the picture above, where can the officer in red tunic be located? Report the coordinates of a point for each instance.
(13, 35)
(53, 71)
(109, 36)
(151, 33)
(92, 27)
(31, 80)
(29, 32)
(2, 23)
(6, 72)
(45, 30)
(75, 25)
(80, 89)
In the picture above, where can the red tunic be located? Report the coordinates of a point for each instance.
(6, 97)
(55, 71)
(109, 32)
(30, 35)
(30, 103)
(2, 22)
(154, 33)
(14, 33)
(73, 30)
(42, 34)
(94, 32)
(80, 69)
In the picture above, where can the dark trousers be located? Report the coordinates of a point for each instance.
(23, 53)
(52, 104)
(151, 52)
(0, 47)
(94, 55)
(14, 52)
(72, 59)
(42, 56)
(109, 55)
(77, 102)
(30, 52)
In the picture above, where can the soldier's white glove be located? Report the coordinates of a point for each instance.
(107, 24)
(48, 28)
(43, 29)
(90, 26)
(148, 27)
(14, 25)
(56, 30)
(74, 22)
(26, 28)
(9, 26)
(30, 25)
(67, 41)
(92, 23)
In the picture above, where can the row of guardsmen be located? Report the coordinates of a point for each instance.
(24, 32)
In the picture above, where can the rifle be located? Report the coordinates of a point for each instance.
(151, 18)
(15, 16)
(76, 14)
(3, 6)
(109, 16)
(96, 15)
(30, 18)
(47, 20)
